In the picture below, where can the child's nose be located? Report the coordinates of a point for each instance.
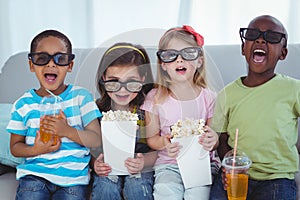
(179, 59)
(51, 63)
(261, 38)
(122, 88)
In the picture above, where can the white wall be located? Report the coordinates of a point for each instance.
(93, 23)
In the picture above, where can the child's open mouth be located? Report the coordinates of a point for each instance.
(259, 55)
(122, 97)
(50, 77)
(181, 69)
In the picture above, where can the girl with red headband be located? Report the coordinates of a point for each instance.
(181, 92)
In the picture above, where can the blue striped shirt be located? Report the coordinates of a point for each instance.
(69, 165)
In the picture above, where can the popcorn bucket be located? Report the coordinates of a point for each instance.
(118, 138)
(193, 161)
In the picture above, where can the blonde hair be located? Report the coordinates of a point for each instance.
(163, 79)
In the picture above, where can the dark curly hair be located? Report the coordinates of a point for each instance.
(48, 33)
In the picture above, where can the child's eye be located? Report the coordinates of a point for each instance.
(42, 59)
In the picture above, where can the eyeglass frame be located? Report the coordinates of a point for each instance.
(51, 57)
(263, 34)
(159, 52)
(122, 84)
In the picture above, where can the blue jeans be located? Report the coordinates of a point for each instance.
(119, 187)
(36, 188)
(276, 189)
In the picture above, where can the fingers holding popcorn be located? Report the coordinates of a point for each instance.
(173, 149)
(101, 168)
(208, 139)
(135, 165)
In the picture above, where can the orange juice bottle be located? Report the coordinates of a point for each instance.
(49, 106)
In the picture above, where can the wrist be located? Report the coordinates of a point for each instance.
(34, 151)
(69, 131)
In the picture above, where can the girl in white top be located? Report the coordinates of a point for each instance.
(181, 93)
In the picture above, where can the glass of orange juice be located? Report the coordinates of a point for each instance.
(49, 106)
(237, 174)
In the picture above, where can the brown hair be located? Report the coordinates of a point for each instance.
(124, 54)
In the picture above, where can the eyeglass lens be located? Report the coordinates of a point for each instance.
(170, 55)
(115, 86)
(60, 59)
(253, 34)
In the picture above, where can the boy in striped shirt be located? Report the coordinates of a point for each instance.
(53, 170)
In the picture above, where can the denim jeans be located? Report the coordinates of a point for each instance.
(168, 185)
(119, 187)
(276, 189)
(37, 188)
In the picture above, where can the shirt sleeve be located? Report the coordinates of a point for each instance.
(148, 104)
(211, 103)
(220, 120)
(89, 108)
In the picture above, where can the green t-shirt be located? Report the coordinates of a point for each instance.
(267, 119)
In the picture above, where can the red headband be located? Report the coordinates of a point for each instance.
(199, 38)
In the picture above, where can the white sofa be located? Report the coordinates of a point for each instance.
(225, 63)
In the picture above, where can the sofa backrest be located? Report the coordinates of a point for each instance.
(224, 64)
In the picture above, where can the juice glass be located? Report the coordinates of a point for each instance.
(49, 106)
(236, 174)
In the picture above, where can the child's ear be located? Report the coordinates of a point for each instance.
(200, 61)
(242, 49)
(70, 67)
(163, 66)
(284, 52)
(31, 67)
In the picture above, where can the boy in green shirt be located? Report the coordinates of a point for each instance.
(265, 107)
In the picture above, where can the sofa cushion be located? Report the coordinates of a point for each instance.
(4, 169)
(8, 186)
(5, 156)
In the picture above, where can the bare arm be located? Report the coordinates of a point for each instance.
(19, 148)
(89, 137)
(223, 147)
(154, 139)
(150, 159)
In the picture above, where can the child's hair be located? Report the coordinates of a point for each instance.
(48, 33)
(188, 35)
(124, 54)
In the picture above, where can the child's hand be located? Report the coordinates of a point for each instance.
(101, 168)
(224, 179)
(172, 148)
(42, 148)
(135, 165)
(209, 139)
(58, 126)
